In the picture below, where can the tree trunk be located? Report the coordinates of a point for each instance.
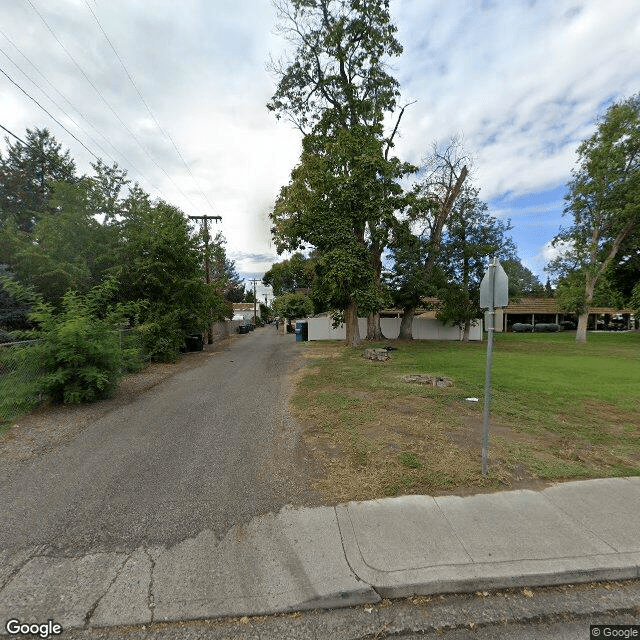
(374, 331)
(583, 318)
(371, 326)
(581, 333)
(465, 333)
(351, 322)
(378, 328)
(406, 326)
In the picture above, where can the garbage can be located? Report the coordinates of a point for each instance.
(298, 331)
(194, 342)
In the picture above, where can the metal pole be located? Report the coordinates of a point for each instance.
(487, 380)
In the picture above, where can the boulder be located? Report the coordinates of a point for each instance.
(435, 381)
(376, 354)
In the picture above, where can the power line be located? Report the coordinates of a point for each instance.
(48, 113)
(144, 102)
(106, 102)
(35, 84)
(26, 144)
(127, 161)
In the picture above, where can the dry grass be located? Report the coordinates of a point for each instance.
(375, 436)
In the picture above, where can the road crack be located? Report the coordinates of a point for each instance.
(94, 606)
(150, 598)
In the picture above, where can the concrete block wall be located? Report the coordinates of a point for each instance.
(225, 329)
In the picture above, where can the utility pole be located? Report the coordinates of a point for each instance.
(207, 264)
(255, 300)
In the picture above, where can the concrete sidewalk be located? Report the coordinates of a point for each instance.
(328, 557)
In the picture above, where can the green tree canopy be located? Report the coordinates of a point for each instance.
(293, 305)
(604, 203)
(27, 174)
(471, 237)
(286, 276)
(522, 281)
(338, 92)
(223, 271)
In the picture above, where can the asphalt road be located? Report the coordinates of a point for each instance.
(208, 448)
(548, 613)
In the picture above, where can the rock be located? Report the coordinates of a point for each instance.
(435, 381)
(376, 354)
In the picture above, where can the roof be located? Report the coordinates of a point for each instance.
(244, 306)
(549, 305)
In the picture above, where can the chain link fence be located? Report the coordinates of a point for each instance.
(20, 380)
(21, 374)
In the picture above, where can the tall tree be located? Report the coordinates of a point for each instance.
(106, 186)
(160, 264)
(604, 201)
(471, 237)
(522, 281)
(337, 92)
(224, 272)
(27, 174)
(432, 201)
(327, 205)
(286, 276)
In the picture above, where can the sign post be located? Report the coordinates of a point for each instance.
(494, 292)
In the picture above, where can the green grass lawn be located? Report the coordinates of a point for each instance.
(545, 372)
(561, 410)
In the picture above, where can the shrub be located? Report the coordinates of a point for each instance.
(520, 327)
(546, 327)
(80, 354)
(162, 337)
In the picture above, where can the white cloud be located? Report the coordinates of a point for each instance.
(548, 252)
(522, 80)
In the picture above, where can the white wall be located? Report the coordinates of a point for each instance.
(423, 329)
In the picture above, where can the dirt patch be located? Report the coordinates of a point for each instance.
(468, 434)
(616, 420)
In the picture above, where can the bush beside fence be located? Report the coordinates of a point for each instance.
(21, 380)
(23, 375)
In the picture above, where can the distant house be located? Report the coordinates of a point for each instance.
(543, 310)
(533, 311)
(245, 309)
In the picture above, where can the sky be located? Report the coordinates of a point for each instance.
(521, 81)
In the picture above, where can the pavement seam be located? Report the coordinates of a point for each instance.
(453, 530)
(150, 599)
(94, 606)
(19, 568)
(577, 523)
(344, 552)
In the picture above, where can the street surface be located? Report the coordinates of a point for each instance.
(556, 613)
(207, 449)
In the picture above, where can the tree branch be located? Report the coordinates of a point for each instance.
(395, 129)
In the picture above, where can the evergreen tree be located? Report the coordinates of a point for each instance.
(27, 174)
